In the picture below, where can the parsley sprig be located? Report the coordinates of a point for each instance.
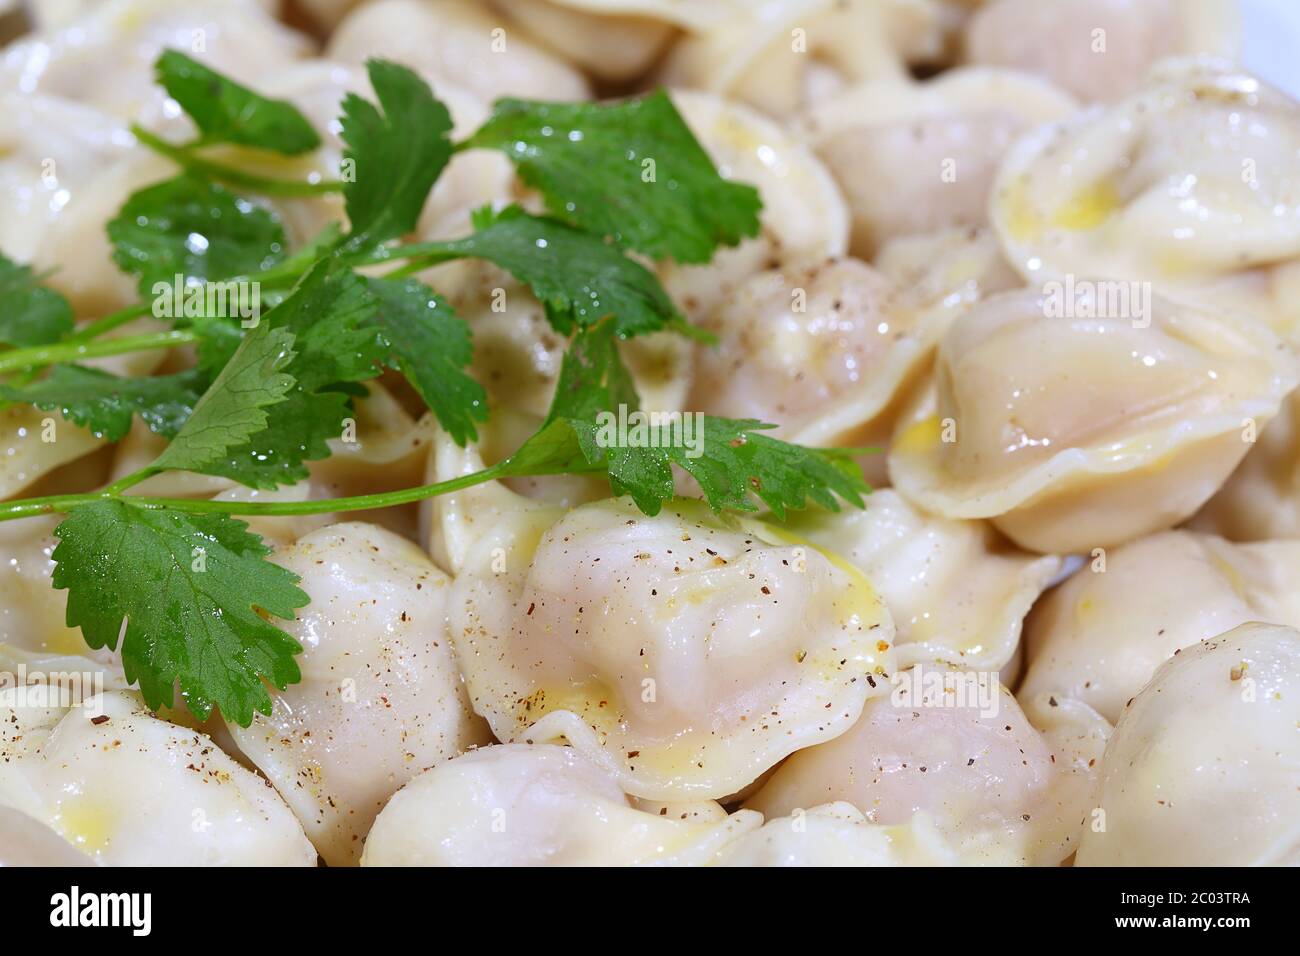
(185, 587)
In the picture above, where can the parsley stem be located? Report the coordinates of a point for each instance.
(61, 503)
(184, 156)
(111, 321)
(75, 351)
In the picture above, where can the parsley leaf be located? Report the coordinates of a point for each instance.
(192, 228)
(632, 171)
(329, 315)
(431, 346)
(105, 403)
(731, 459)
(189, 587)
(579, 278)
(233, 407)
(396, 155)
(30, 314)
(226, 112)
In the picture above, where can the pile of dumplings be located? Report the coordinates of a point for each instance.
(1063, 630)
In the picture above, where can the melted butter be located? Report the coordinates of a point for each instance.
(1230, 574)
(85, 823)
(857, 603)
(919, 437)
(1023, 222)
(594, 701)
(1088, 208)
(1084, 612)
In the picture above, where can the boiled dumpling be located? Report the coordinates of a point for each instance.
(784, 54)
(33, 443)
(956, 591)
(106, 58)
(65, 171)
(1117, 427)
(1101, 49)
(28, 842)
(685, 653)
(941, 274)
(803, 220)
(838, 834)
(611, 39)
(129, 789)
(824, 351)
(951, 744)
(1100, 636)
(1202, 768)
(920, 157)
(1189, 184)
(538, 805)
(380, 698)
(32, 612)
(457, 41)
(1262, 498)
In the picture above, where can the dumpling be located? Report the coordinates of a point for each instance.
(611, 39)
(1189, 185)
(922, 156)
(785, 54)
(458, 41)
(951, 744)
(1262, 498)
(830, 351)
(1101, 49)
(803, 220)
(1100, 636)
(106, 58)
(838, 834)
(956, 591)
(380, 698)
(1119, 426)
(685, 654)
(28, 842)
(32, 613)
(1202, 768)
(943, 273)
(129, 789)
(538, 805)
(65, 171)
(34, 443)
(822, 351)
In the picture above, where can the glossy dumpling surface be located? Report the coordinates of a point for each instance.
(1100, 636)
(682, 653)
(1119, 426)
(956, 590)
(534, 805)
(969, 760)
(380, 698)
(1189, 184)
(839, 834)
(135, 790)
(1202, 767)
(920, 157)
